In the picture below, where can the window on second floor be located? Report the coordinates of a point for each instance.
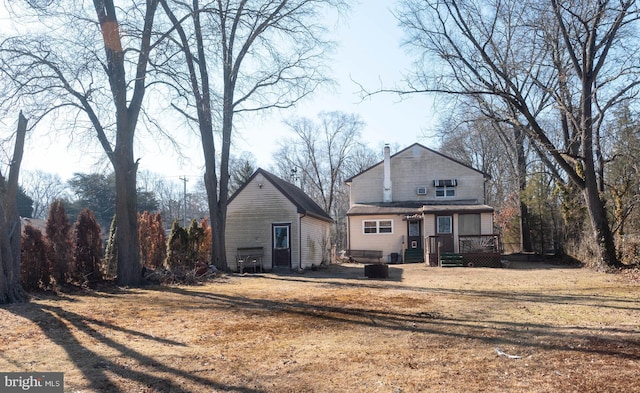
(445, 188)
(445, 191)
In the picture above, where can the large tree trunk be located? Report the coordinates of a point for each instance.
(223, 196)
(129, 264)
(606, 245)
(10, 228)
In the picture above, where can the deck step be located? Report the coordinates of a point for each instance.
(451, 260)
(412, 255)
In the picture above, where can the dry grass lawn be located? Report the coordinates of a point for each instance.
(422, 330)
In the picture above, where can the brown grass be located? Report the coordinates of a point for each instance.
(423, 329)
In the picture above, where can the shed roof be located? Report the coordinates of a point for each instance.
(299, 198)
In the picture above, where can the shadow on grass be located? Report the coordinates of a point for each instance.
(348, 272)
(351, 280)
(493, 332)
(59, 325)
(56, 323)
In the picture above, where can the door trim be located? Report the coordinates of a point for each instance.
(281, 256)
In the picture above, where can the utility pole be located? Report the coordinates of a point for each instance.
(184, 202)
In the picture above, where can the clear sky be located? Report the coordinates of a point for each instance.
(368, 52)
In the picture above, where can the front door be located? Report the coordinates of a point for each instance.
(414, 234)
(281, 245)
(444, 231)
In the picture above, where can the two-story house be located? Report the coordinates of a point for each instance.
(419, 205)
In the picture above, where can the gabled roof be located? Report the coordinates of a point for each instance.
(349, 180)
(299, 198)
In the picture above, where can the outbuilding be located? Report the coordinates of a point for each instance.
(273, 224)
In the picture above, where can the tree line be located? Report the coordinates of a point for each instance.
(553, 82)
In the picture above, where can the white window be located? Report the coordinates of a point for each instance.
(445, 191)
(370, 227)
(385, 226)
(445, 188)
(377, 226)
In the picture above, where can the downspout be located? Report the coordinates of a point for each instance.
(300, 239)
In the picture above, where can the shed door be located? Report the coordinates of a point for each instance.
(444, 231)
(281, 245)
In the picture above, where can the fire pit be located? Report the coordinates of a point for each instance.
(378, 270)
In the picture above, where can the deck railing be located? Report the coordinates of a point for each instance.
(477, 250)
(479, 243)
(470, 244)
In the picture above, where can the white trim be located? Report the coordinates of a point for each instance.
(445, 190)
(378, 227)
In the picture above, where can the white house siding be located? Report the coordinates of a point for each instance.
(386, 242)
(250, 216)
(429, 225)
(425, 166)
(367, 188)
(486, 223)
(314, 242)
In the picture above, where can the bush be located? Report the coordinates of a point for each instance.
(629, 249)
(177, 249)
(153, 242)
(88, 248)
(60, 244)
(35, 269)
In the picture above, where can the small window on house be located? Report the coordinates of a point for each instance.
(445, 188)
(385, 226)
(444, 191)
(444, 225)
(370, 227)
(377, 226)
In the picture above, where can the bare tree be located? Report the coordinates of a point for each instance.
(43, 188)
(91, 70)
(319, 152)
(261, 55)
(499, 149)
(622, 170)
(319, 158)
(10, 228)
(531, 61)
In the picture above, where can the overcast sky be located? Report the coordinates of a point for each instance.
(368, 52)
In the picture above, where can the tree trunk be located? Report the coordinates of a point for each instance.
(10, 229)
(227, 126)
(129, 264)
(607, 255)
(521, 162)
(125, 169)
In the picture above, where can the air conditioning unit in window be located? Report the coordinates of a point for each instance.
(421, 190)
